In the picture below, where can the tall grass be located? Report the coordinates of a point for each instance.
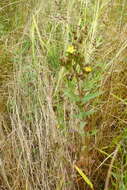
(66, 105)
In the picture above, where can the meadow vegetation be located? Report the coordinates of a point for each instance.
(63, 95)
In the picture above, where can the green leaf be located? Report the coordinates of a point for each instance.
(83, 115)
(70, 94)
(90, 96)
(85, 178)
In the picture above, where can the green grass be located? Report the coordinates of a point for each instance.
(63, 79)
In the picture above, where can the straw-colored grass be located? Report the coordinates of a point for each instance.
(63, 80)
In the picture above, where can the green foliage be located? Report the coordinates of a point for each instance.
(90, 96)
(53, 58)
(82, 115)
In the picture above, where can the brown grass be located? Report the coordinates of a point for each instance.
(40, 137)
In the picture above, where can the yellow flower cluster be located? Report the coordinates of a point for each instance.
(70, 49)
(87, 69)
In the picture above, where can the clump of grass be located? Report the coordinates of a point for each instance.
(67, 103)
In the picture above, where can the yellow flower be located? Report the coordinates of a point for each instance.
(87, 69)
(70, 49)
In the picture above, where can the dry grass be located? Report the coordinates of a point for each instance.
(46, 126)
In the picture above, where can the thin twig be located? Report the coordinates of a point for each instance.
(110, 167)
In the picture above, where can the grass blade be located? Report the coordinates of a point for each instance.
(85, 178)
